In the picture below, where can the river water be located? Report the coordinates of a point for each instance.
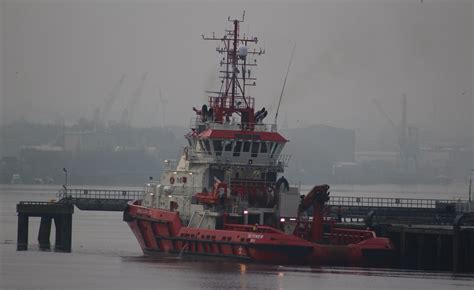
(106, 255)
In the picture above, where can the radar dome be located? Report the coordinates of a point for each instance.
(242, 51)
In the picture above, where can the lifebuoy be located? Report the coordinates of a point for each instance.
(172, 180)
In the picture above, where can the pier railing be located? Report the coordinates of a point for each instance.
(389, 202)
(109, 194)
(35, 202)
(399, 210)
(85, 198)
(98, 199)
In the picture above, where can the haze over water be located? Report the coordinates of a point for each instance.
(105, 254)
(59, 61)
(347, 53)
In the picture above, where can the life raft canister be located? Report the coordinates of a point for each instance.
(172, 180)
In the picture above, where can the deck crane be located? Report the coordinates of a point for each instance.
(315, 200)
(127, 112)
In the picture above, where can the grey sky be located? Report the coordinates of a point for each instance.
(2, 95)
(61, 59)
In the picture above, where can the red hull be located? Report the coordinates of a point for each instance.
(161, 231)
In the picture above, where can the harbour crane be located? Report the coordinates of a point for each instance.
(127, 112)
(408, 143)
(163, 108)
(111, 99)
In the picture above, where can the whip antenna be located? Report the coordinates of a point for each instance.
(284, 83)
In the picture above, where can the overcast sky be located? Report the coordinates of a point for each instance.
(62, 58)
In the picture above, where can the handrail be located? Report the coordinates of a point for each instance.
(234, 125)
(239, 102)
(347, 201)
(79, 193)
(389, 202)
(37, 202)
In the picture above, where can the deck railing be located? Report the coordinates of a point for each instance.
(233, 125)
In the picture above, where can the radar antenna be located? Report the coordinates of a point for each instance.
(235, 74)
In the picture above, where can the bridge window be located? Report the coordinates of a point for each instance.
(228, 146)
(264, 148)
(246, 146)
(271, 146)
(208, 146)
(255, 146)
(274, 149)
(237, 148)
(201, 144)
(217, 147)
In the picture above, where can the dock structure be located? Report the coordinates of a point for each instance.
(397, 210)
(433, 247)
(61, 213)
(99, 199)
(428, 234)
(47, 211)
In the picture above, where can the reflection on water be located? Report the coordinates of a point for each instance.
(106, 255)
(108, 270)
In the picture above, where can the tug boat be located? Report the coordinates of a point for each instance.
(224, 196)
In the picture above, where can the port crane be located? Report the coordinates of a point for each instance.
(112, 97)
(408, 143)
(127, 112)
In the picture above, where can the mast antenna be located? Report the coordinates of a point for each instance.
(235, 73)
(284, 82)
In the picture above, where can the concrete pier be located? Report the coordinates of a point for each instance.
(47, 211)
(430, 247)
(61, 212)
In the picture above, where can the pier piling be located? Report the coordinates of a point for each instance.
(47, 211)
(61, 212)
(44, 233)
(22, 233)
